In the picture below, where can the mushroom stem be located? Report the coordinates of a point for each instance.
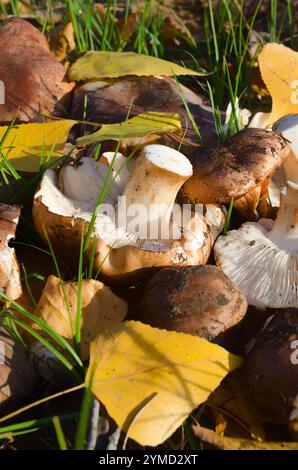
(285, 229)
(156, 178)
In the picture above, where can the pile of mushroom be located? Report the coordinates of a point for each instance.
(126, 250)
(129, 213)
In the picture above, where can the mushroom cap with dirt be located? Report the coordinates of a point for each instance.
(235, 168)
(32, 77)
(270, 371)
(261, 258)
(126, 248)
(10, 283)
(200, 300)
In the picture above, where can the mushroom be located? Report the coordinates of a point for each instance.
(270, 371)
(32, 78)
(17, 374)
(234, 169)
(288, 127)
(200, 300)
(10, 283)
(111, 101)
(128, 246)
(261, 258)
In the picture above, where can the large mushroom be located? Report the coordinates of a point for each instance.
(200, 300)
(140, 231)
(32, 78)
(10, 283)
(235, 169)
(261, 258)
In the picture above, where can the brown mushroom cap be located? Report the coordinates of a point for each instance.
(110, 101)
(9, 270)
(200, 300)
(231, 169)
(17, 375)
(270, 374)
(32, 77)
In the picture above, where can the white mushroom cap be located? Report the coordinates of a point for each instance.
(261, 258)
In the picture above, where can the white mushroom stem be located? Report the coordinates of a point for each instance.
(156, 178)
(285, 229)
(288, 127)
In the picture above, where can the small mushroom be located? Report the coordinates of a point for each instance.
(17, 374)
(261, 258)
(32, 77)
(200, 300)
(235, 168)
(127, 245)
(10, 283)
(270, 371)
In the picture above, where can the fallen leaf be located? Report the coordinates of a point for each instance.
(26, 143)
(232, 443)
(101, 309)
(279, 70)
(61, 41)
(138, 126)
(150, 379)
(31, 78)
(95, 65)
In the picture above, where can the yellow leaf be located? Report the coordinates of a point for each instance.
(61, 41)
(138, 126)
(279, 70)
(150, 380)
(26, 144)
(101, 309)
(232, 443)
(96, 65)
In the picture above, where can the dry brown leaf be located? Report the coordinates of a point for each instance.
(62, 41)
(33, 78)
(101, 309)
